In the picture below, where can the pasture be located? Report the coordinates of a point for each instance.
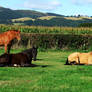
(48, 75)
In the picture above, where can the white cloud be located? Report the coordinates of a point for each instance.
(82, 1)
(42, 4)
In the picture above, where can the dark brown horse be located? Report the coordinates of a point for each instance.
(7, 37)
(18, 59)
(31, 52)
(23, 58)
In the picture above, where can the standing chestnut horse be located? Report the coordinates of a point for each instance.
(7, 37)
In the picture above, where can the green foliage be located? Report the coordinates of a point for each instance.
(85, 25)
(57, 41)
(53, 37)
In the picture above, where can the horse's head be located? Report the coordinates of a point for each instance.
(17, 35)
(34, 53)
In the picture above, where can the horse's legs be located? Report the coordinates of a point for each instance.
(5, 48)
(9, 47)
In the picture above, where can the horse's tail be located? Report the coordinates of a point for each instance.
(67, 62)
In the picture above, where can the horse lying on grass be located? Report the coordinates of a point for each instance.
(19, 59)
(78, 58)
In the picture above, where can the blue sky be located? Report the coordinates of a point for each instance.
(63, 7)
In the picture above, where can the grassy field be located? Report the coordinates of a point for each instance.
(50, 75)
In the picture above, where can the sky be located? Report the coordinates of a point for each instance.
(63, 7)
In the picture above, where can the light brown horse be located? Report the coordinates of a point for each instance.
(80, 58)
(7, 37)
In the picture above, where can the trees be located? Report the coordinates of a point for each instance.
(85, 25)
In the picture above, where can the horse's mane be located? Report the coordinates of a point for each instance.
(13, 30)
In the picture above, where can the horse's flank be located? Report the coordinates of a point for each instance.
(7, 37)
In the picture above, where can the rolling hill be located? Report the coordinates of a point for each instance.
(30, 17)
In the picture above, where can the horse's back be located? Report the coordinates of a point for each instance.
(18, 57)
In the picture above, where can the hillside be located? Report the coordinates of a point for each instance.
(30, 17)
(6, 13)
(30, 13)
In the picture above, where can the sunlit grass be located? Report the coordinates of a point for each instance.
(22, 19)
(46, 17)
(51, 75)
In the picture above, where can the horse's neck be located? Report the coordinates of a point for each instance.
(12, 36)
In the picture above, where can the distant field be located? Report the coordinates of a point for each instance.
(22, 19)
(51, 75)
(47, 17)
(75, 18)
(28, 18)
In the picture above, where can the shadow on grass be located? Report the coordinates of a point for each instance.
(40, 59)
(32, 65)
(43, 66)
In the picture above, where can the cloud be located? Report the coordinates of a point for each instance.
(42, 4)
(82, 2)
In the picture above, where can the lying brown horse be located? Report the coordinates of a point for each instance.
(18, 59)
(23, 58)
(7, 37)
(78, 58)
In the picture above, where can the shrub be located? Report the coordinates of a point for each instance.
(59, 41)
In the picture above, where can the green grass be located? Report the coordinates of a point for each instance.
(50, 76)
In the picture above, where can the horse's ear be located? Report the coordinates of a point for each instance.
(19, 31)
